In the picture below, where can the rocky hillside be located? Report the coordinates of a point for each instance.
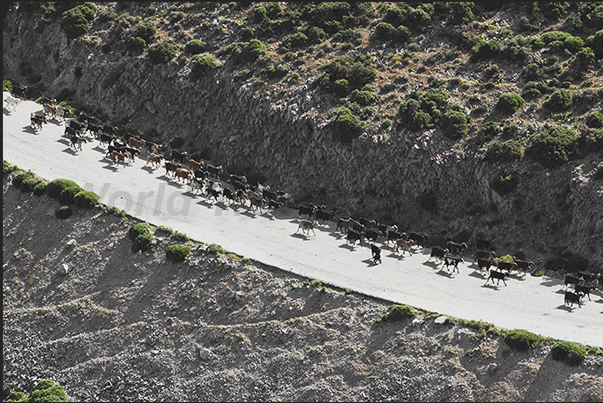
(108, 324)
(457, 120)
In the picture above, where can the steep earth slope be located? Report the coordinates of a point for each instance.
(112, 325)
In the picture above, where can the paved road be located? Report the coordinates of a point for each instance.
(531, 303)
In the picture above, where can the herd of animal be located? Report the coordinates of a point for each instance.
(213, 183)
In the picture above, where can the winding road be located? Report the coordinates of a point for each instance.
(531, 303)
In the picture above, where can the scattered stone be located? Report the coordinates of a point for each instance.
(440, 319)
(64, 269)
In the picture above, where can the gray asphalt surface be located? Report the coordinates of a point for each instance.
(532, 303)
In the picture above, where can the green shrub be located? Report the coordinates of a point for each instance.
(144, 30)
(504, 183)
(259, 13)
(66, 196)
(568, 352)
(215, 249)
(202, 64)
(64, 212)
(340, 87)
(56, 186)
(40, 188)
(595, 120)
(484, 50)
(28, 184)
(162, 52)
(509, 103)
(384, 31)
(553, 147)
(143, 242)
(412, 116)
(142, 236)
(17, 397)
(75, 21)
(595, 42)
(135, 44)
(346, 126)
(399, 312)
(140, 229)
(537, 273)
(521, 340)
(86, 199)
(509, 150)
(164, 229)
(559, 100)
(177, 253)
(454, 124)
(180, 237)
(47, 391)
(20, 177)
(8, 168)
(194, 46)
(355, 68)
(361, 97)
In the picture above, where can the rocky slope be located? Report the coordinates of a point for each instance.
(276, 130)
(112, 325)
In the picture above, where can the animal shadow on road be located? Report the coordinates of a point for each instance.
(370, 262)
(64, 141)
(477, 274)
(564, 307)
(444, 273)
(69, 151)
(111, 167)
(148, 168)
(431, 264)
(29, 129)
(495, 287)
(348, 246)
(301, 236)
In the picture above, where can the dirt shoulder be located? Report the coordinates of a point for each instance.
(122, 326)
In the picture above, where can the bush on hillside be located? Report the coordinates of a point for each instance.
(56, 186)
(454, 124)
(177, 253)
(194, 46)
(509, 150)
(28, 184)
(595, 42)
(86, 199)
(398, 312)
(135, 44)
(521, 340)
(553, 147)
(180, 237)
(568, 352)
(66, 196)
(559, 100)
(75, 21)
(162, 52)
(21, 176)
(40, 188)
(595, 120)
(8, 168)
(142, 236)
(345, 126)
(509, 103)
(202, 64)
